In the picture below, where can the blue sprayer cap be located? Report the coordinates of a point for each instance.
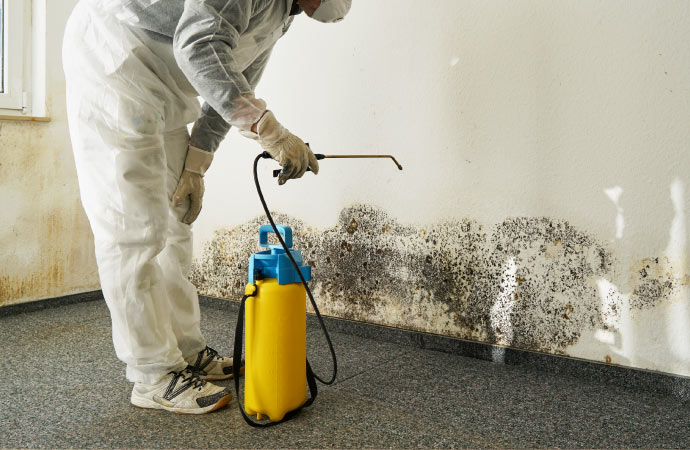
(275, 263)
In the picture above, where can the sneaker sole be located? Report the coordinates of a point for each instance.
(146, 403)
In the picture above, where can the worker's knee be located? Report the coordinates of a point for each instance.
(135, 245)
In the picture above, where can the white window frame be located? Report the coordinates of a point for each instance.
(15, 97)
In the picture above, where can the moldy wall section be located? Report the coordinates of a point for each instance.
(531, 282)
(46, 241)
(544, 200)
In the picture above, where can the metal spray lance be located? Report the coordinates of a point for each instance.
(320, 156)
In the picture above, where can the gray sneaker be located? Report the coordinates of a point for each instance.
(210, 366)
(181, 392)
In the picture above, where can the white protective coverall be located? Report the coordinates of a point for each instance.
(134, 69)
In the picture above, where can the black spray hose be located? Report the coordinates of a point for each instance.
(265, 155)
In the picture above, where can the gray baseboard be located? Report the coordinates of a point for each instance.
(626, 377)
(54, 302)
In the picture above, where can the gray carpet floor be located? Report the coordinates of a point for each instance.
(62, 387)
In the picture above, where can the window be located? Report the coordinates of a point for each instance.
(2, 47)
(12, 65)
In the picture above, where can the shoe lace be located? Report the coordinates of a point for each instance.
(205, 357)
(211, 353)
(193, 379)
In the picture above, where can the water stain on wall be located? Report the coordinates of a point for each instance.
(48, 277)
(46, 240)
(528, 282)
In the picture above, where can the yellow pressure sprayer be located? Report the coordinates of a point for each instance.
(273, 311)
(276, 331)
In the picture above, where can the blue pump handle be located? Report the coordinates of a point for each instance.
(266, 229)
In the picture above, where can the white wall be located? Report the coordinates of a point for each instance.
(545, 147)
(46, 242)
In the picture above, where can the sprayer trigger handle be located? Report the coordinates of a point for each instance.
(276, 172)
(319, 157)
(282, 229)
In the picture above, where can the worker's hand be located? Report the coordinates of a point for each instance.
(290, 151)
(192, 182)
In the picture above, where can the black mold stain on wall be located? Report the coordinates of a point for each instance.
(529, 283)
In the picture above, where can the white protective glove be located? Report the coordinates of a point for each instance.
(290, 151)
(192, 182)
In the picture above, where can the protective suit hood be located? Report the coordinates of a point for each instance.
(330, 11)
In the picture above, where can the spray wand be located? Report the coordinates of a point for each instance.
(320, 156)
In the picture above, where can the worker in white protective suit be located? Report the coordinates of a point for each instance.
(134, 71)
